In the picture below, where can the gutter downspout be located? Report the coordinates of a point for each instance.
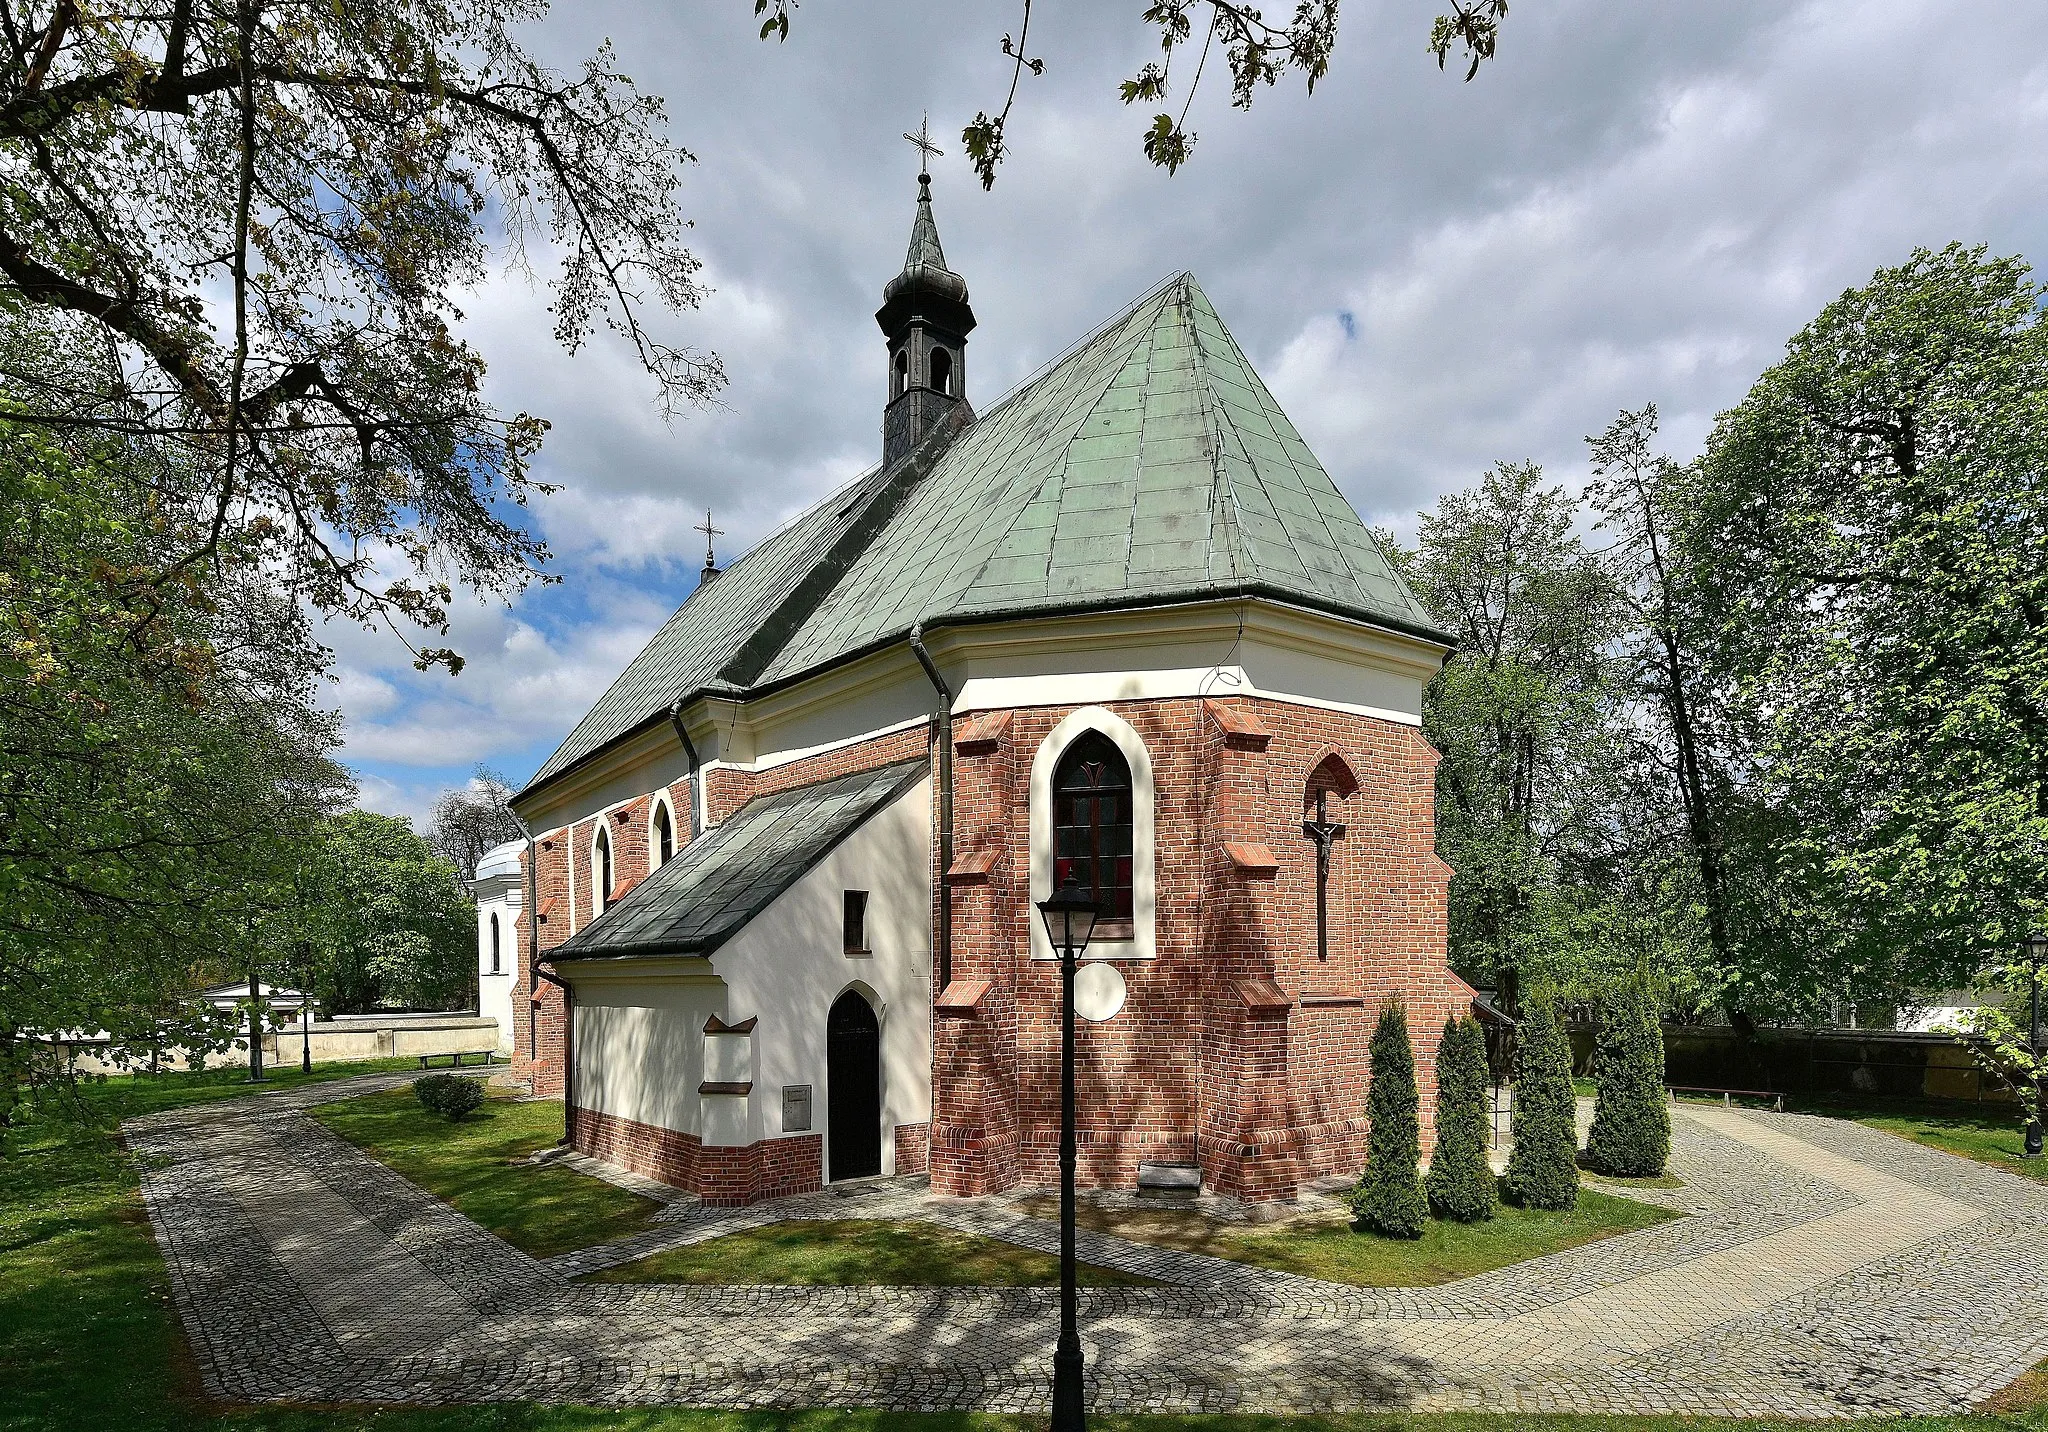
(942, 732)
(697, 807)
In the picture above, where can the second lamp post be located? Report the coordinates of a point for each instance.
(1069, 921)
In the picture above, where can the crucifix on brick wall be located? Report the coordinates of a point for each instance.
(1324, 832)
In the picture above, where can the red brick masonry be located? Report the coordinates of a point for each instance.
(913, 1147)
(1265, 1092)
(772, 1168)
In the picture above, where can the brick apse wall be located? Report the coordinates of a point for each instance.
(1237, 1047)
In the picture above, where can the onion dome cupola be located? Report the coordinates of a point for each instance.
(926, 320)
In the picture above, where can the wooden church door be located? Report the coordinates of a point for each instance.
(853, 1082)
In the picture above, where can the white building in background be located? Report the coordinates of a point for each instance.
(499, 888)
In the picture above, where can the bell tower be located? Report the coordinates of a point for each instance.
(925, 319)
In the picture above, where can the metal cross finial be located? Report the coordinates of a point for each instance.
(709, 532)
(927, 151)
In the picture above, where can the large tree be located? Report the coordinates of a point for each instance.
(473, 818)
(258, 213)
(1521, 715)
(385, 921)
(1868, 540)
(161, 762)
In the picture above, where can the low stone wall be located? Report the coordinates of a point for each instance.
(335, 1041)
(1823, 1061)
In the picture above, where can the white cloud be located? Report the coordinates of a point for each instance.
(1632, 203)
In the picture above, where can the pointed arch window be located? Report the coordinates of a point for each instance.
(942, 371)
(601, 870)
(901, 380)
(496, 957)
(664, 841)
(1092, 829)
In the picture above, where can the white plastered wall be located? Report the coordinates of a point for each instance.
(499, 896)
(639, 1044)
(640, 1047)
(789, 965)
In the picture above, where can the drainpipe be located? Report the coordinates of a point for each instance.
(675, 719)
(942, 732)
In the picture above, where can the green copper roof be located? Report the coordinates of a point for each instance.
(731, 873)
(1148, 465)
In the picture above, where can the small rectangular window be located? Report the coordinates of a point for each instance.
(856, 922)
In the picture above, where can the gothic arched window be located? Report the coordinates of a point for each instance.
(942, 371)
(494, 942)
(664, 835)
(1091, 828)
(902, 378)
(601, 869)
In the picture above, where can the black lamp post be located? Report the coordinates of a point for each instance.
(1069, 921)
(2037, 952)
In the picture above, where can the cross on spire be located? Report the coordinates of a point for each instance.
(710, 561)
(926, 150)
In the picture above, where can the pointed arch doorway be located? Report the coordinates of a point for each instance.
(853, 1087)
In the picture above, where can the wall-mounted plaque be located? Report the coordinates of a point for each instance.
(796, 1108)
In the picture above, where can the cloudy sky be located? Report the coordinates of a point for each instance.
(1636, 202)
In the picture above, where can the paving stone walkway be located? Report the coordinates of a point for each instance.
(1822, 1269)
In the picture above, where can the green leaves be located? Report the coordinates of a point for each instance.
(1460, 1183)
(1869, 537)
(1631, 1133)
(1167, 144)
(160, 756)
(1389, 1199)
(776, 24)
(983, 141)
(1543, 1169)
(1475, 26)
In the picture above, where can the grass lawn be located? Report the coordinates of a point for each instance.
(1662, 1180)
(473, 1164)
(1988, 1133)
(1329, 1249)
(88, 1338)
(841, 1252)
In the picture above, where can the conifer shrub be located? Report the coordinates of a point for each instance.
(1460, 1184)
(1631, 1134)
(448, 1095)
(1543, 1170)
(1388, 1199)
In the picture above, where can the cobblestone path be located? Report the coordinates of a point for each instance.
(1823, 1269)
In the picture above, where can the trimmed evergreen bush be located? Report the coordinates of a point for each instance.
(1543, 1171)
(1460, 1184)
(1388, 1199)
(448, 1095)
(1631, 1135)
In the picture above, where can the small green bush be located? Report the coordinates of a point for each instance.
(1461, 1183)
(1543, 1171)
(1631, 1134)
(1388, 1199)
(448, 1095)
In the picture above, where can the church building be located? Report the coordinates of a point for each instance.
(1119, 629)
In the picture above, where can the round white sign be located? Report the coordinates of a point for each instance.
(1098, 991)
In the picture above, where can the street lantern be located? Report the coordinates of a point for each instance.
(2036, 946)
(1069, 920)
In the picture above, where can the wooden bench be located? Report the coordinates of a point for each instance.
(1729, 1096)
(456, 1057)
